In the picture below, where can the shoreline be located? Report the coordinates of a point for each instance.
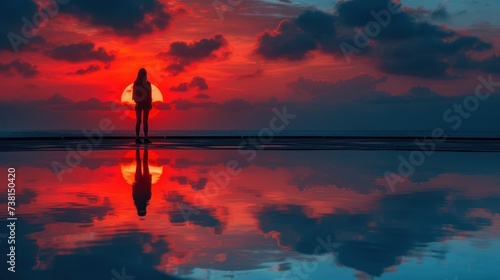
(277, 137)
(398, 143)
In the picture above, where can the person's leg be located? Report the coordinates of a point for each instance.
(145, 164)
(146, 127)
(138, 168)
(138, 114)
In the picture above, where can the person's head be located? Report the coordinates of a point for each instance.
(141, 206)
(141, 213)
(142, 76)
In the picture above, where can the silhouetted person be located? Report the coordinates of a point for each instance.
(141, 189)
(141, 93)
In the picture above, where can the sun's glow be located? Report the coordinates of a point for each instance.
(156, 95)
(129, 164)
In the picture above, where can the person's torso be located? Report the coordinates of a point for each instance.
(142, 93)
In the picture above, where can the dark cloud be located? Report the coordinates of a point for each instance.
(371, 242)
(182, 104)
(14, 67)
(417, 94)
(197, 82)
(175, 68)
(184, 211)
(199, 50)
(403, 24)
(28, 196)
(12, 14)
(92, 68)
(350, 89)
(320, 94)
(295, 39)
(325, 108)
(184, 54)
(358, 173)
(235, 105)
(427, 57)
(61, 103)
(440, 13)
(202, 96)
(123, 254)
(91, 198)
(359, 179)
(232, 105)
(198, 185)
(181, 180)
(353, 13)
(424, 66)
(58, 99)
(79, 213)
(89, 105)
(406, 44)
(287, 41)
(317, 23)
(36, 44)
(363, 89)
(424, 92)
(182, 87)
(489, 65)
(124, 17)
(81, 52)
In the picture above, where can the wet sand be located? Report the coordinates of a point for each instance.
(460, 144)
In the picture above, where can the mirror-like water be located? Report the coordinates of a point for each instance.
(177, 214)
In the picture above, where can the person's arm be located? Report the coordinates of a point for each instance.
(134, 93)
(150, 95)
(150, 92)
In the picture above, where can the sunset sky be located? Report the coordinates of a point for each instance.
(227, 64)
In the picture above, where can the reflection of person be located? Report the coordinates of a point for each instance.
(141, 93)
(141, 189)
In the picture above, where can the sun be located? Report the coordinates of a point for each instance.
(128, 166)
(156, 95)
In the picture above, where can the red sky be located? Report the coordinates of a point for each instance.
(107, 50)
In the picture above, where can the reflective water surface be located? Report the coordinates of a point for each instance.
(201, 214)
